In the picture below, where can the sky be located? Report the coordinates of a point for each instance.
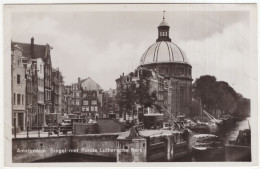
(104, 44)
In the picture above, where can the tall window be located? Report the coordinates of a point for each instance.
(180, 71)
(77, 102)
(94, 102)
(77, 94)
(22, 99)
(85, 102)
(18, 99)
(40, 68)
(14, 98)
(18, 79)
(19, 62)
(163, 70)
(182, 96)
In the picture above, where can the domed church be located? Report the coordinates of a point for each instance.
(170, 61)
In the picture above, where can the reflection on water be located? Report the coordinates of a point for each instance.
(240, 125)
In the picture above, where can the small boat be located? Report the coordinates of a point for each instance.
(208, 147)
(200, 127)
(240, 148)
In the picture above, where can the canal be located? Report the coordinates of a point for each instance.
(228, 134)
(232, 133)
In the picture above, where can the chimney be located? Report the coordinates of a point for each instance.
(78, 79)
(32, 47)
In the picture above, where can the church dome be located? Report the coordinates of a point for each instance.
(163, 52)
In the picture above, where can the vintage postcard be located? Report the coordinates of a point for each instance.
(152, 84)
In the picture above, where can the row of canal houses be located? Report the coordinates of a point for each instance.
(37, 88)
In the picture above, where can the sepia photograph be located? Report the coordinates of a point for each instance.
(154, 84)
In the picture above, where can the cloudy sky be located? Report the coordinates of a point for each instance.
(104, 44)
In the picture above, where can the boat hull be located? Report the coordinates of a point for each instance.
(216, 154)
(201, 129)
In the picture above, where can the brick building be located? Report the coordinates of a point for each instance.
(68, 101)
(31, 91)
(41, 57)
(110, 108)
(76, 98)
(18, 88)
(156, 83)
(40, 100)
(87, 98)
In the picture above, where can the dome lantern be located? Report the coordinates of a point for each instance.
(163, 31)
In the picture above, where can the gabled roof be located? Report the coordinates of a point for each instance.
(39, 50)
(89, 84)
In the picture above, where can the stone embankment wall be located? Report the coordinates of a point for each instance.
(33, 149)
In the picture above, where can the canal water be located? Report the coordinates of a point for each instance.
(227, 134)
(232, 133)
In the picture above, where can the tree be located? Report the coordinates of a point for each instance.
(136, 93)
(126, 97)
(216, 94)
(205, 89)
(145, 97)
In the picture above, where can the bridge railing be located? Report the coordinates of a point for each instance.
(42, 131)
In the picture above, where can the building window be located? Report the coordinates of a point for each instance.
(163, 70)
(180, 71)
(77, 102)
(77, 94)
(18, 79)
(96, 108)
(83, 108)
(182, 96)
(22, 99)
(85, 102)
(18, 99)
(87, 108)
(14, 98)
(92, 108)
(93, 102)
(40, 68)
